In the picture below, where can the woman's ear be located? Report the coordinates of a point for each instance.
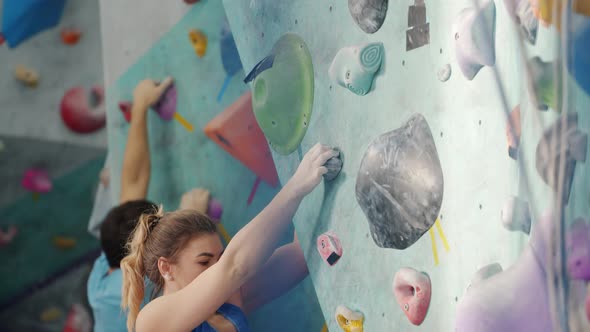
(165, 268)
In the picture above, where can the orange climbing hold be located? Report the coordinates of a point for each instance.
(238, 133)
(63, 242)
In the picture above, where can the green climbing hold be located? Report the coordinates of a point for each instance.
(282, 94)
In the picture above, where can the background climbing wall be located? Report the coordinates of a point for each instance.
(182, 160)
(34, 113)
(468, 124)
(36, 275)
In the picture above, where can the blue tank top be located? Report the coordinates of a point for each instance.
(233, 314)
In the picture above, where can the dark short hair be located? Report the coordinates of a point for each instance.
(118, 226)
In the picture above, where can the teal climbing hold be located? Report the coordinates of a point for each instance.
(282, 94)
(355, 67)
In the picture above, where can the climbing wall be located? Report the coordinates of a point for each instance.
(34, 112)
(451, 141)
(183, 159)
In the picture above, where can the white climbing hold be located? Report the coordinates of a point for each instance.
(444, 73)
(516, 215)
(474, 35)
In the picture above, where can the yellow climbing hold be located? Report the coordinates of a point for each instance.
(50, 314)
(199, 41)
(348, 320)
(544, 10)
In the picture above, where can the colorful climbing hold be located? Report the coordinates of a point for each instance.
(166, 108)
(580, 61)
(329, 247)
(515, 299)
(355, 67)
(199, 41)
(418, 32)
(125, 108)
(444, 73)
(236, 131)
(50, 314)
(400, 185)
(348, 320)
(64, 242)
(578, 249)
(80, 114)
(79, 319)
(516, 215)
(412, 290)
(523, 15)
(551, 152)
(474, 33)
(26, 75)
(543, 85)
(513, 132)
(70, 36)
(230, 58)
(334, 165)
(7, 236)
(282, 95)
(36, 181)
(215, 209)
(369, 15)
(544, 10)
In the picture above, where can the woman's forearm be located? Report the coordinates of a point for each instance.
(135, 175)
(252, 246)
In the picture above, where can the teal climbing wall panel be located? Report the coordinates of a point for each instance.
(467, 120)
(182, 160)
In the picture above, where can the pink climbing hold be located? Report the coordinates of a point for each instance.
(215, 210)
(7, 237)
(329, 247)
(37, 181)
(412, 290)
(578, 250)
(77, 112)
(588, 304)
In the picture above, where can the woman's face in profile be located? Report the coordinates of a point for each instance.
(200, 253)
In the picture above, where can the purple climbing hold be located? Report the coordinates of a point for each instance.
(215, 209)
(166, 106)
(578, 250)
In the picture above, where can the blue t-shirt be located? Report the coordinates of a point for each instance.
(104, 296)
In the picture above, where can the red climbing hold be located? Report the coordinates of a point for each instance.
(77, 112)
(2, 39)
(238, 133)
(125, 107)
(70, 36)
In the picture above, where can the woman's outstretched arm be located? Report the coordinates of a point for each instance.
(284, 270)
(248, 251)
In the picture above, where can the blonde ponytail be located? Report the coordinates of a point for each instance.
(133, 267)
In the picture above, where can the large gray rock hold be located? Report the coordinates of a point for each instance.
(368, 14)
(562, 142)
(400, 184)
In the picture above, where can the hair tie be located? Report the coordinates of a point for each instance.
(153, 221)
